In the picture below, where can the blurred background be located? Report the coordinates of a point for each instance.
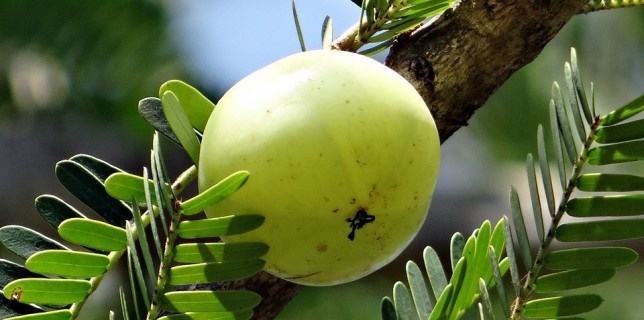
(72, 73)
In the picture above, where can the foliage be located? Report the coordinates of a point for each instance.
(477, 265)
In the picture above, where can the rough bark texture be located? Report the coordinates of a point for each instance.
(456, 64)
(474, 50)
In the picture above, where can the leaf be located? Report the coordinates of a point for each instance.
(519, 228)
(402, 300)
(534, 196)
(93, 234)
(47, 291)
(561, 306)
(24, 242)
(545, 172)
(603, 230)
(240, 315)
(214, 272)
(10, 271)
(572, 279)
(622, 205)
(574, 104)
(49, 315)
(617, 153)
(195, 105)
(418, 289)
(55, 211)
(377, 48)
(99, 168)
(435, 272)
(219, 252)
(442, 303)
(485, 299)
(579, 87)
(590, 258)
(90, 190)
(152, 111)
(209, 301)
(509, 250)
(134, 266)
(143, 241)
(327, 33)
(557, 144)
(215, 227)
(609, 182)
(68, 264)
(174, 112)
(387, 310)
(622, 132)
(564, 124)
(456, 248)
(220, 191)
(125, 186)
(630, 109)
(300, 37)
(498, 280)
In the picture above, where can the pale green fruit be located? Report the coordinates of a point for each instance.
(328, 137)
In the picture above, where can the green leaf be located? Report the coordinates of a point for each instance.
(572, 279)
(561, 306)
(435, 272)
(519, 228)
(135, 268)
(579, 87)
(68, 264)
(49, 315)
(630, 109)
(10, 271)
(440, 309)
(498, 281)
(622, 205)
(418, 289)
(125, 186)
(512, 259)
(557, 144)
(485, 300)
(47, 291)
(90, 190)
(215, 227)
(298, 28)
(423, 9)
(387, 310)
(457, 281)
(174, 112)
(564, 124)
(195, 105)
(93, 234)
(456, 246)
(327, 33)
(239, 315)
(99, 168)
(214, 272)
(143, 241)
(55, 210)
(219, 252)
(404, 305)
(622, 132)
(544, 165)
(574, 104)
(617, 153)
(151, 110)
(609, 182)
(603, 230)
(209, 301)
(590, 258)
(534, 195)
(24, 242)
(220, 191)
(377, 48)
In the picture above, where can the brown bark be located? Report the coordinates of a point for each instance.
(456, 64)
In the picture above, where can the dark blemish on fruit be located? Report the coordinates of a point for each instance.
(303, 276)
(322, 247)
(353, 201)
(336, 210)
(361, 218)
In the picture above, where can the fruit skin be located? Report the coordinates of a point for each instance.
(327, 136)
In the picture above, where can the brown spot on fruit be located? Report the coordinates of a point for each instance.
(322, 247)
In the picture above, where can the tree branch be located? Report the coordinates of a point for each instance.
(456, 64)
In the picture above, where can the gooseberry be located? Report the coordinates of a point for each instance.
(343, 156)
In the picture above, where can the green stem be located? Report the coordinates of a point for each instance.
(609, 4)
(178, 187)
(531, 277)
